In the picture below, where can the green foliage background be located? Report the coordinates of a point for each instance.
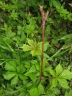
(20, 48)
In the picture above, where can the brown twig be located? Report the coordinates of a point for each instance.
(44, 18)
(49, 14)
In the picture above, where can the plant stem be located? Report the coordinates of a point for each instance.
(44, 17)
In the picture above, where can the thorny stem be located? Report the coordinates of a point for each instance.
(44, 18)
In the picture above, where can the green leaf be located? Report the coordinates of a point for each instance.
(32, 76)
(56, 54)
(29, 85)
(53, 83)
(14, 80)
(13, 15)
(10, 66)
(39, 45)
(68, 36)
(31, 70)
(50, 3)
(41, 89)
(9, 46)
(68, 93)
(31, 43)
(63, 83)
(66, 74)
(37, 66)
(22, 94)
(46, 45)
(20, 69)
(53, 92)
(26, 47)
(36, 52)
(34, 92)
(58, 69)
(56, 91)
(22, 77)
(4, 47)
(51, 71)
(1, 92)
(37, 49)
(8, 75)
(30, 29)
(20, 30)
(50, 94)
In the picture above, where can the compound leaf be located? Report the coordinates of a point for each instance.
(58, 69)
(8, 75)
(63, 83)
(14, 80)
(66, 74)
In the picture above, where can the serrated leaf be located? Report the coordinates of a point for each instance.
(66, 74)
(34, 92)
(37, 49)
(20, 69)
(32, 76)
(36, 52)
(58, 69)
(63, 83)
(14, 80)
(39, 44)
(26, 47)
(54, 83)
(10, 66)
(31, 70)
(29, 29)
(8, 75)
(31, 43)
(51, 71)
(29, 85)
(22, 77)
(41, 89)
(33, 53)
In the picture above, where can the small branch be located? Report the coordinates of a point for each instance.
(47, 15)
(44, 18)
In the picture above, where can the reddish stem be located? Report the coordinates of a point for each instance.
(44, 17)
